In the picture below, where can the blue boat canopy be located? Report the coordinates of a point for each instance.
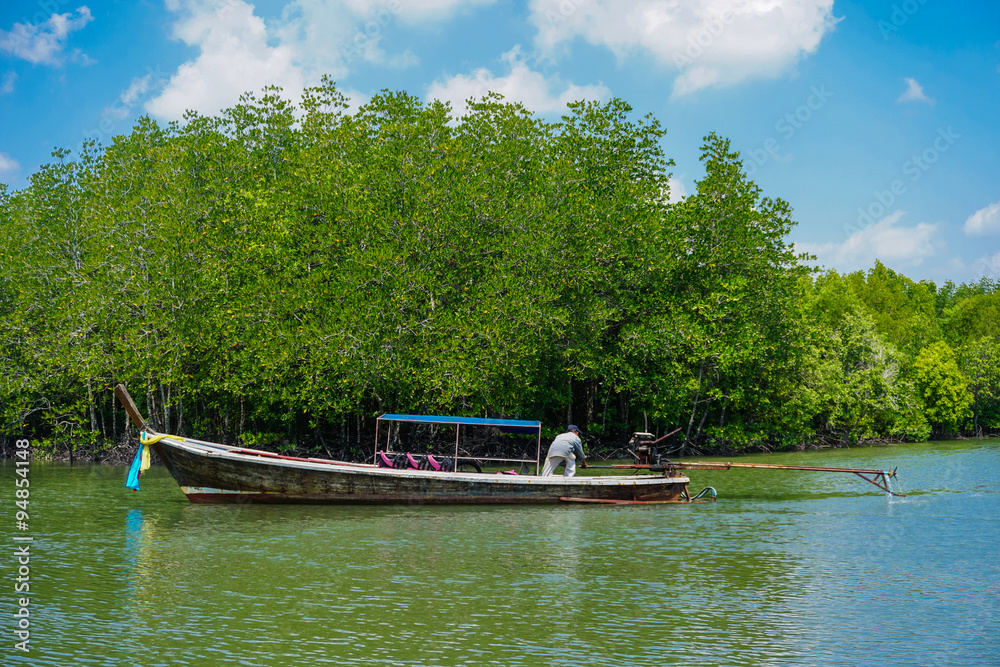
(506, 425)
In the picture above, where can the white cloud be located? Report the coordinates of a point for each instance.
(139, 89)
(885, 241)
(520, 84)
(355, 99)
(711, 43)
(413, 11)
(984, 221)
(677, 190)
(7, 84)
(987, 266)
(8, 164)
(329, 37)
(43, 43)
(239, 53)
(914, 93)
(236, 57)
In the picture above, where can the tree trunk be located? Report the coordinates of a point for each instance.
(694, 406)
(165, 407)
(591, 391)
(569, 406)
(975, 414)
(701, 424)
(90, 404)
(151, 404)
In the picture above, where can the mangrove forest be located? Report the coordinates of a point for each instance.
(280, 274)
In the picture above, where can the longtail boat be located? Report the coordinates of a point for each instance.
(214, 473)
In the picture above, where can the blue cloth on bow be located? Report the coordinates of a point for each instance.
(133, 473)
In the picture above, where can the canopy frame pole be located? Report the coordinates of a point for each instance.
(538, 453)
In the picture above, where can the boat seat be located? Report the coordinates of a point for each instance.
(408, 461)
(394, 461)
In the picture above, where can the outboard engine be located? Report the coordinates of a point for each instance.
(641, 446)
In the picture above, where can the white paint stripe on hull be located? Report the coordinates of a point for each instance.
(370, 470)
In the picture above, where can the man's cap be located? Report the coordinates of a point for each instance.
(573, 427)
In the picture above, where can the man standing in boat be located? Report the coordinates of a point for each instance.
(566, 449)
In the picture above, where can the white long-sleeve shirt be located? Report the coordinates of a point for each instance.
(567, 445)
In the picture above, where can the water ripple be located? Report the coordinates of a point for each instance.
(781, 571)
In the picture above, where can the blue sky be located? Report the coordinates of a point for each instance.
(877, 121)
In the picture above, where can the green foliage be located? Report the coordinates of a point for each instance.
(903, 311)
(856, 384)
(979, 361)
(972, 318)
(951, 294)
(281, 275)
(943, 387)
(730, 341)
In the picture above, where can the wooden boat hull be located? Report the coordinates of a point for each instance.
(210, 473)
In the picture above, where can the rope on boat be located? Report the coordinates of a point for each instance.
(140, 463)
(151, 439)
(707, 489)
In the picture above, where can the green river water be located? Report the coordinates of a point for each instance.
(787, 568)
